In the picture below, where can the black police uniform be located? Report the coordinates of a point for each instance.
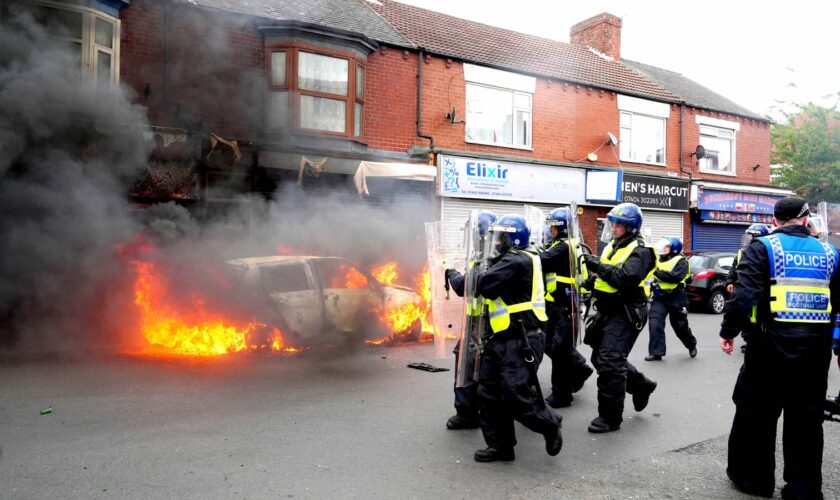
(568, 367)
(785, 368)
(504, 381)
(614, 330)
(672, 304)
(465, 397)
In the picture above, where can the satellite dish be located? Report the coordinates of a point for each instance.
(592, 157)
(700, 152)
(613, 140)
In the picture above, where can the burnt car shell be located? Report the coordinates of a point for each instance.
(310, 300)
(707, 290)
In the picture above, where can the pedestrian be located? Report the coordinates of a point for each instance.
(466, 407)
(508, 388)
(569, 370)
(752, 232)
(621, 302)
(787, 287)
(669, 299)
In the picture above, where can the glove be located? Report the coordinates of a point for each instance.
(592, 262)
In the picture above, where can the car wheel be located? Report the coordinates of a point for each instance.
(716, 302)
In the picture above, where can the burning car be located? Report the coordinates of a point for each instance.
(320, 299)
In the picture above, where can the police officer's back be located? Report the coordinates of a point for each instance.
(787, 287)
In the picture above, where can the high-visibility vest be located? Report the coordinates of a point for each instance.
(499, 312)
(551, 279)
(668, 266)
(800, 273)
(617, 260)
(474, 304)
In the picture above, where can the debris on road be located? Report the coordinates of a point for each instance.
(427, 367)
(46, 410)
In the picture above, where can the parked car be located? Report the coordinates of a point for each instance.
(707, 290)
(315, 299)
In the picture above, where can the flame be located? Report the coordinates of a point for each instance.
(386, 273)
(281, 250)
(352, 278)
(193, 330)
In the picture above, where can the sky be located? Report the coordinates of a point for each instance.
(748, 51)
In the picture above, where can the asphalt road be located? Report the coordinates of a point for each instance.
(361, 425)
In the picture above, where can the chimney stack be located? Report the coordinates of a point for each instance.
(601, 32)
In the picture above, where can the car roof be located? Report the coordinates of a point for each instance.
(277, 259)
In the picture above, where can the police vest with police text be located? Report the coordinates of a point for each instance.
(617, 260)
(499, 312)
(800, 273)
(669, 266)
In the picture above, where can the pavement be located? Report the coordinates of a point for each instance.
(328, 424)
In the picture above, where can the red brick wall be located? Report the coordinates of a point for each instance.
(211, 76)
(391, 100)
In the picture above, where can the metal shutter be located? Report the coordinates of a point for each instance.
(661, 225)
(454, 213)
(717, 237)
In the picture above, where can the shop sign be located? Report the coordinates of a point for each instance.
(655, 192)
(735, 217)
(732, 201)
(500, 180)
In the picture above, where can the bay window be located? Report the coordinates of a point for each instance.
(315, 90)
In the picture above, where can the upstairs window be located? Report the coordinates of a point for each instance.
(499, 107)
(643, 125)
(718, 138)
(316, 91)
(91, 37)
(720, 150)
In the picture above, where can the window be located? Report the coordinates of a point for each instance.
(499, 107)
(720, 150)
(498, 116)
(92, 38)
(315, 90)
(725, 262)
(642, 138)
(339, 274)
(285, 279)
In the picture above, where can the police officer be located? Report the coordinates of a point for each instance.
(466, 408)
(622, 313)
(508, 389)
(752, 232)
(669, 299)
(787, 286)
(569, 370)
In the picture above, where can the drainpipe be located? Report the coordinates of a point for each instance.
(420, 133)
(682, 118)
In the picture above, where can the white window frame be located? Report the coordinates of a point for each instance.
(716, 123)
(90, 49)
(633, 106)
(516, 84)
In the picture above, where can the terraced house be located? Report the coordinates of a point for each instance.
(407, 105)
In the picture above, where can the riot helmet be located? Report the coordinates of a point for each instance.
(668, 247)
(627, 214)
(558, 219)
(509, 231)
(754, 231)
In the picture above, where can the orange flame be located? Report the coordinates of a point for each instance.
(191, 332)
(352, 278)
(386, 273)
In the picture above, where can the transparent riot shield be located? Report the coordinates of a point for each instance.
(474, 318)
(576, 268)
(436, 262)
(535, 218)
(830, 213)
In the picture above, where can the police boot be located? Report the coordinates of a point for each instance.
(585, 372)
(553, 441)
(641, 396)
(462, 421)
(491, 454)
(559, 401)
(601, 425)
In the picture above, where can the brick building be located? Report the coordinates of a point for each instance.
(465, 115)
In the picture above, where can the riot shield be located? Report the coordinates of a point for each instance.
(474, 317)
(535, 218)
(576, 268)
(436, 262)
(830, 214)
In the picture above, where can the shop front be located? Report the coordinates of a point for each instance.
(722, 213)
(664, 203)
